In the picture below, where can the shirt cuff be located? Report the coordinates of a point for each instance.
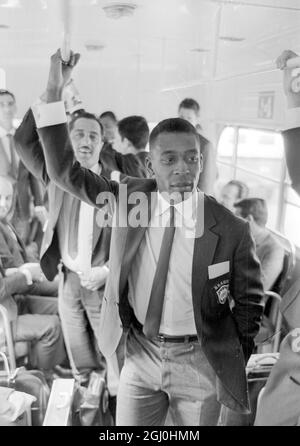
(115, 176)
(292, 116)
(49, 114)
(45, 225)
(27, 274)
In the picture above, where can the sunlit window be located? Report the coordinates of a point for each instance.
(256, 157)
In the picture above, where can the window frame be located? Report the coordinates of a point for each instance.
(283, 182)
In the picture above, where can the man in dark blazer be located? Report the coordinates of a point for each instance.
(190, 294)
(127, 154)
(27, 187)
(189, 109)
(82, 279)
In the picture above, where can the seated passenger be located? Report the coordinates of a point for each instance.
(26, 188)
(268, 249)
(42, 330)
(232, 192)
(12, 251)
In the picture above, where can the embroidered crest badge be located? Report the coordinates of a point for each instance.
(222, 292)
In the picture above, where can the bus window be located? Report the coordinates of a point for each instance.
(256, 157)
(260, 152)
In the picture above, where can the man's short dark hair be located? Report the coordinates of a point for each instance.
(243, 190)
(109, 114)
(257, 207)
(172, 125)
(190, 104)
(85, 115)
(136, 130)
(3, 92)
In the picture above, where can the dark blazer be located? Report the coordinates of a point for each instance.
(30, 151)
(27, 186)
(133, 165)
(291, 140)
(226, 335)
(12, 252)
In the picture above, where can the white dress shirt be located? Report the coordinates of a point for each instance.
(178, 313)
(83, 261)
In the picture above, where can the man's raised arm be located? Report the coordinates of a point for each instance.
(29, 148)
(291, 135)
(52, 127)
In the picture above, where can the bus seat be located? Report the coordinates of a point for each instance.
(15, 351)
(269, 337)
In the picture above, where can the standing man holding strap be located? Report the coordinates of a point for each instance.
(188, 290)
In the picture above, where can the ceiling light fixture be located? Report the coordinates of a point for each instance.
(10, 4)
(231, 39)
(118, 10)
(200, 50)
(94, 46)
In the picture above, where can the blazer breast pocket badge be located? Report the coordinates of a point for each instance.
(218, 275)
(222, 291)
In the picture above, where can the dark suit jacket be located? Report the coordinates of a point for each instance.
(226, 336)
(30, 151)
(291, 140)
(27, 186)
(12, 252)
(133, 165)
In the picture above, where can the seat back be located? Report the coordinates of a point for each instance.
(289, 261)
(269, 336)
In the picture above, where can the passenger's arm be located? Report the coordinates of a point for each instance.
(61, 165)
(271, 266)
(30, 149)
(291, 136)
(247, 292)
(14, 284)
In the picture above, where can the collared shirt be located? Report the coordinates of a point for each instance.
(178, 313)
(83, 260)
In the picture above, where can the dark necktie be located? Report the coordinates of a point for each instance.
(156, 301)
(13, 158)
(74, 207)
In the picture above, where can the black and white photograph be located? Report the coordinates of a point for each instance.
(149, 216)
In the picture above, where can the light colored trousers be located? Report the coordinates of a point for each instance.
(158, 377)
(79, 311)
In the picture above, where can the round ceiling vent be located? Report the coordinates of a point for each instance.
(118, 10)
